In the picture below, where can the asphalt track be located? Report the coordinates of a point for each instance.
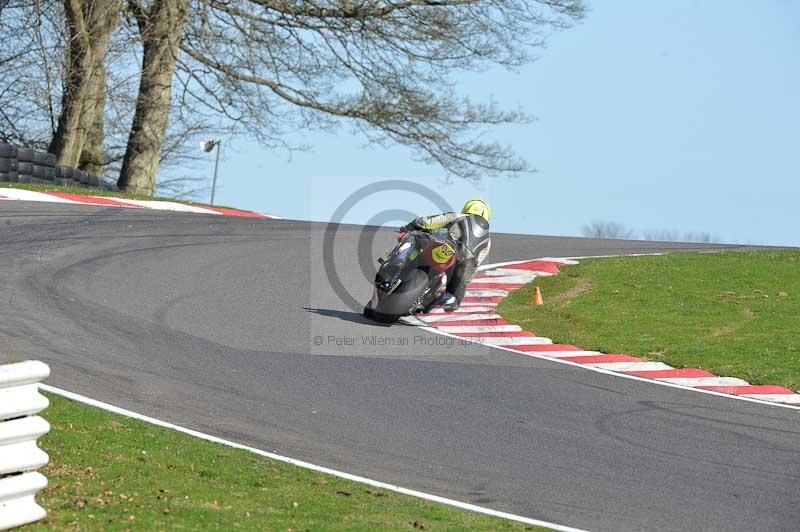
(209, 322)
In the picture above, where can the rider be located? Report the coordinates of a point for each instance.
(470, 231)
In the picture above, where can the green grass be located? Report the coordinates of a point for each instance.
(734, 314)
(110, 472)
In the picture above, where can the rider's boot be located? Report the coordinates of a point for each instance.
(449, 302)
(443, 299)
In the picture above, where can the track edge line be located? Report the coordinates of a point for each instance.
(305, 465)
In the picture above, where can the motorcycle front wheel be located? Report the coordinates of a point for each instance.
(380, 316)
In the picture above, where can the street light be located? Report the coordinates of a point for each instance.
(207, 146)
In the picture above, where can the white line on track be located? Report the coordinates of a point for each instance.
(489, 292)
(306, 465)
(165, 206)
(569, 354)
(464, 309)
(789, 398)
(500, 272)
(568, 261)
(31, 195)
(480, 328)
(102, 201)
(706, 381)
(631, 366)
(460, 317)
(517, 279)
(513, 340)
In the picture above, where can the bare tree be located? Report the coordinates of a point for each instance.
(676, 236)
(264, 68)
(31, 70)
(619, 231)
(33, 85)
(107, 12)
(272, 67)
(89, 26)
(607, 230)
(700, 236)
(186, 128)
(161, 30)
(52, 76)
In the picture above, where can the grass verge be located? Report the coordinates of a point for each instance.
(735, 314)
(111, 472)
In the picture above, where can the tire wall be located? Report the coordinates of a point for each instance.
(25, 165)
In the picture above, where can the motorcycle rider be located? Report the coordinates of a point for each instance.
(470, 232)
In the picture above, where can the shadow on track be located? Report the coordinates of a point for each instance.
(353, 317)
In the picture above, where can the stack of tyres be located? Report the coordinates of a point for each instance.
(9, 165)
(25, 165)
(44, 167)
(66, 176)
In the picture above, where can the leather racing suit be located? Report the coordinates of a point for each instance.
(470, 233)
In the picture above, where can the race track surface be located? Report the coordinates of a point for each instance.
(210, 323)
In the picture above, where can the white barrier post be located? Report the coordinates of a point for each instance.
(20, 456)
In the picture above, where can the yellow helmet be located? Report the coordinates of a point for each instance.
(479, 207)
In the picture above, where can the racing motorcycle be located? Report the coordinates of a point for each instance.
(413, 276)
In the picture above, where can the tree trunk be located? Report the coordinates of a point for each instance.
(91, 159)
(161, 29)
(67, 140)
(90, 24)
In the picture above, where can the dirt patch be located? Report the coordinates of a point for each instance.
(725, 330)
(211, 505)
(66, 471)
(563, 300)
(113, 426)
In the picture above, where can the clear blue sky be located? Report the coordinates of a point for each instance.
(677, 115)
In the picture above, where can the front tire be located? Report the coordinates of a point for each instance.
(380, 316)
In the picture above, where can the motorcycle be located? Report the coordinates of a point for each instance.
(413, 276)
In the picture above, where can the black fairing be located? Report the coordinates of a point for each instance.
(404, 283)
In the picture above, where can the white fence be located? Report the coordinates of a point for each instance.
(20, 456)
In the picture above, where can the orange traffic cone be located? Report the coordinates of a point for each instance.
(537, 297)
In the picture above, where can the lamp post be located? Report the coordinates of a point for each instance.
(207, 146)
